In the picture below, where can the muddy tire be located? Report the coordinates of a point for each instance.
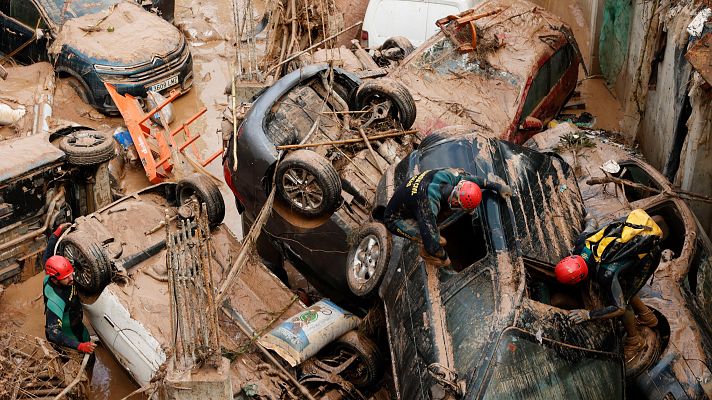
(398, 42)
(429, 140)
(92, 271)
(308, 184)
(87, 147)
(367, 369)
(206, 191)
(379, 90)
(80, 88)
(368, 260)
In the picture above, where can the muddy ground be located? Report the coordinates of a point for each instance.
(209, 28)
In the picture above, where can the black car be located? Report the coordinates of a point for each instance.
(97, 42)
(494, 326)
(324, 194)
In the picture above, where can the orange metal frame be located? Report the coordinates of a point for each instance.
(135, 119)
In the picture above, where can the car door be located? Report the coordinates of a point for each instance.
(19, 20)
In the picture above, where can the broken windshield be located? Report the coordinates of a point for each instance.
(75, 8)
(527, 368)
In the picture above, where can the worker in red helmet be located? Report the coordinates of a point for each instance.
(621, 258)
(63, 310)
(416, 206)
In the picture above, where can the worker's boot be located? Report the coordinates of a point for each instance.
(644, 315)
(632, 348)
(433, 260)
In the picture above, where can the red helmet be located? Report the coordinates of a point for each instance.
(571, 270)
(466, 195)
(58, 267)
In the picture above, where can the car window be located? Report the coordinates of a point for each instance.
(75, 8)
(635, 173)
(526, 368)
(547, 77)
(699, 278)
(468, 312)
(25, 12)
(5, 7)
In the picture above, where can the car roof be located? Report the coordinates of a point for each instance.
(546, 202)
(22, 155)
(492, 78)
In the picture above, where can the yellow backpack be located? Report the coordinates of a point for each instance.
(636, 235)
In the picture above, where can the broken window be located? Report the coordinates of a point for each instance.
(699, 277)
(26, 12)
(547, 77)
(466, 241)
(527, 368)
(637, 174)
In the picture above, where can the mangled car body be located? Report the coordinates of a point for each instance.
(482, 329)
(522, 69)
(98, 42)
(679, 290)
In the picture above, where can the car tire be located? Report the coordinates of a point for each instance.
(368, 260)
(430, 139)
(380, 89)
(87, 147)
(308, 184)
(80, 88)
(398, 42)
(206, 191)
(370, 368)
(92, 271)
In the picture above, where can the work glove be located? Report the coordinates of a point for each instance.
(58, 232)
(579, 316)
(86, 347)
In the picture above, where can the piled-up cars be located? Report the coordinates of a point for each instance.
(320, 214)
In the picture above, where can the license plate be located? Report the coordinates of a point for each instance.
(173, 80)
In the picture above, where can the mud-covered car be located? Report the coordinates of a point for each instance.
(495, 326)
(679, 291)
(98, 43)
(129, 307)
(43, 185)
(521, 71)
(323, 193)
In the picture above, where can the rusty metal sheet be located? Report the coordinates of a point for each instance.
(700, 56)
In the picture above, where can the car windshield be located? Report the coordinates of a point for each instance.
(527, 368)
(75, 8)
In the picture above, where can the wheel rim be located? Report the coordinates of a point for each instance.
(366, 259)
(78, 260)
(86, 139)
(302, 189)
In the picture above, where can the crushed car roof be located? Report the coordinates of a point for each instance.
(21, 155)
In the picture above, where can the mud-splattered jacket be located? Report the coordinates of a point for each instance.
(413, 210)
(63, 310)
(622, 256)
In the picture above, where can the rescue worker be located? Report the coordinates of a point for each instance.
(622, 256)
(414, 209)
(63, 310)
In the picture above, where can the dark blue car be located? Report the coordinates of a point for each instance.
(98, 41)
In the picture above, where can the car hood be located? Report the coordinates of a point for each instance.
(124, 34)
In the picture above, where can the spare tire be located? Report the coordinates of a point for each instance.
(308, 184)
(398, 42)
(87, 147)
(367, 261)
(366, 370)
(376, 91)
(205, 191)
(92, 271)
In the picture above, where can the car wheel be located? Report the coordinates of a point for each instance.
(80, 88)
(87, 147)
(92, 271)
(309, 184)
(205, 191)
(398, 42)
(377, 91)
(365, 371)
(368, 259)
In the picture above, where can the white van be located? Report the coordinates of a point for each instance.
(412, 19)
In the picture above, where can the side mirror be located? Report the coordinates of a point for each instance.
(531, 124)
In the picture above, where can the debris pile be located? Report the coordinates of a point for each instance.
(37, 370)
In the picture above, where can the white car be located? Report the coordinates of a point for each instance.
(414, 20)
